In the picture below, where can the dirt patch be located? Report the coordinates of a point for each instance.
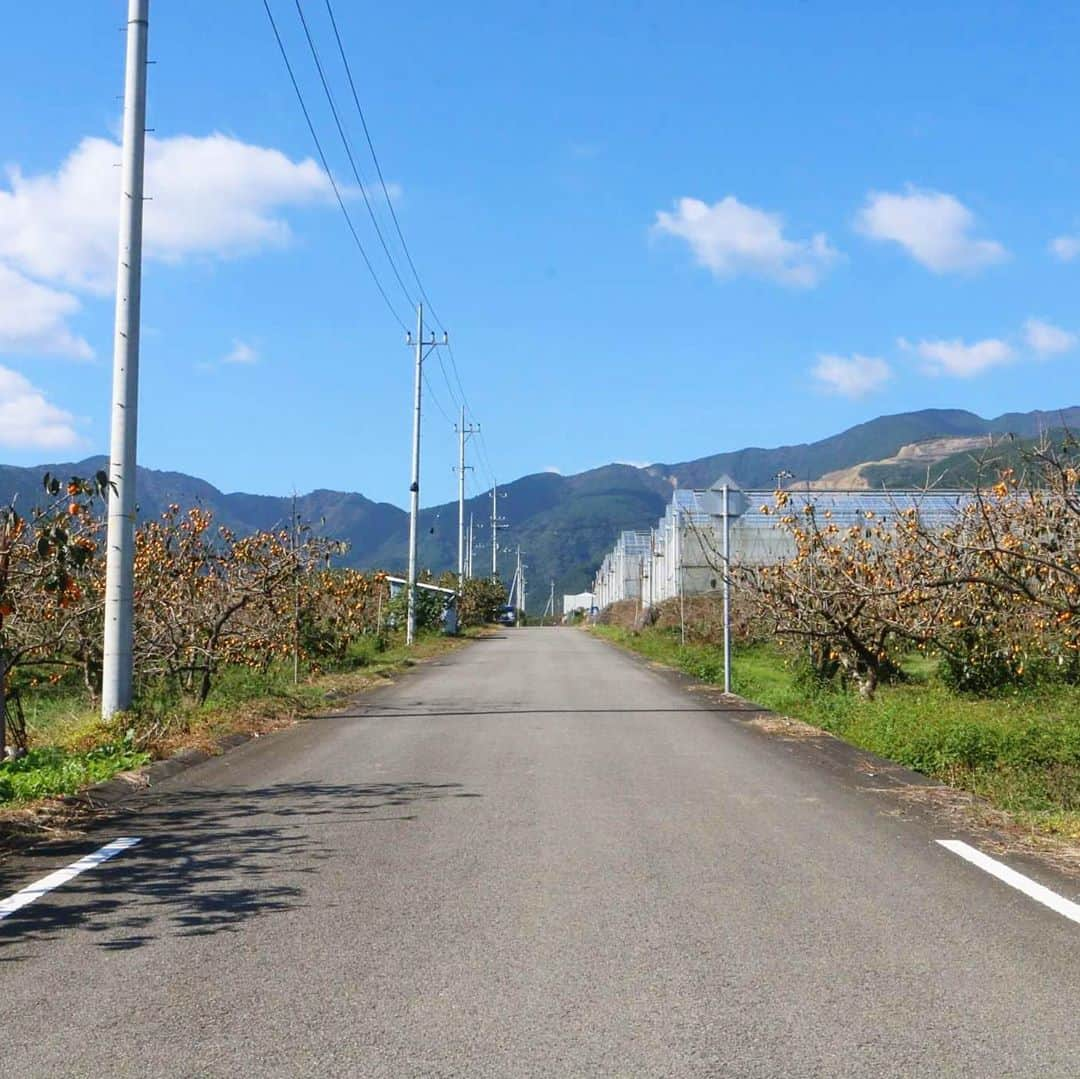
(793, 730)
(998, 833)
(928, 453)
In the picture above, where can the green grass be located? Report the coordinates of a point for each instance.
(72, 748)
(50, 770)
(1020, 751)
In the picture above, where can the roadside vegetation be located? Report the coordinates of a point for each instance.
(232, 634)
(955, 651)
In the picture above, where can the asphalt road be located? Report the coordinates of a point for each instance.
(535, 857)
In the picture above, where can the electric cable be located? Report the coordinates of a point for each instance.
(326, 168)
(348, 152)
(378, 168)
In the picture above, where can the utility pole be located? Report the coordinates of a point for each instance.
(423, 348)
(296, 594)
(550, 606)
(468, 562)
(495, 526)
(679, 576)
(463, 434)
(494, 532)
(513, 591)
(117, 645)
(521, 578)
(727, 594)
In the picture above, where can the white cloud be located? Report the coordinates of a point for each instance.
(28, 421)
(33, 318)
(1065, 248)
(854, 376)
(962, 360)
(210, 196)
(934, 228)
(554, 470)
(241, 353)
(731, 238)
(1047, 339)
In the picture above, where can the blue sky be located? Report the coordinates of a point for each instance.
(654, 231)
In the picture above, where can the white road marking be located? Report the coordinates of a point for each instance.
(1041, 894)
(62, 876)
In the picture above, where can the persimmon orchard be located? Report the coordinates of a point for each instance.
(995, 593)
(49, 598)
(205, 599)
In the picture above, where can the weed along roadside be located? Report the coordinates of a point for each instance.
(72, 749)
(1018, 750)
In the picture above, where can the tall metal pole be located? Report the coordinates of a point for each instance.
(463, 434)
(494, 532)
(521, 580)
(117, 646)
(461, 501)
(679, 576)
(414, 487)
(468, 570)
(727, 594)
(296, 595)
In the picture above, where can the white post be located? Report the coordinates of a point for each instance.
(414, 487)
(296, 595)
(727, 595)
(521, 581)
(679, 575)
(468, 571)
(494, 533)
(461, 503)
(117, 646)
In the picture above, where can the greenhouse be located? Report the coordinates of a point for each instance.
(684, 553)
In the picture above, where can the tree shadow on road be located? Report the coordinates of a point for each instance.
(209, 860)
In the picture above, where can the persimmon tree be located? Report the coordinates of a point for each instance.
(206, 597)
(481, 598)
(1010, 564)
(858, 595)
(47, 590)
(337, 606)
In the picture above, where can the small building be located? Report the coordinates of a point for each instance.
(577, 601)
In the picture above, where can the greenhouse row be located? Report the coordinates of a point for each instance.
(684, 553)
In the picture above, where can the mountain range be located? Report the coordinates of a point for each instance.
(565, 524)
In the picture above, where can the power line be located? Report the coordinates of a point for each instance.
(349, 153)
(378, 169)
(459, 398)
(326, 169)
(435, 400)
(449, 388)
(457, 378)
(484, 457)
